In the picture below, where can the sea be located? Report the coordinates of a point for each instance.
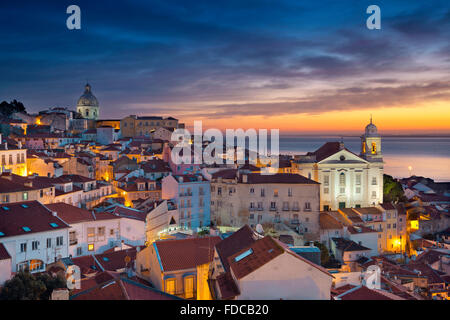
(403, 155)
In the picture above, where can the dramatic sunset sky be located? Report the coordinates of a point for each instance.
(301, 66)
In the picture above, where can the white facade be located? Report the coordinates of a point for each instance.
(285, 277)
(51, 245)
(93, 237)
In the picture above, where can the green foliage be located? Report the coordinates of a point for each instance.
(7, 109)
(324, 254)
(27, 286)
(392, 190)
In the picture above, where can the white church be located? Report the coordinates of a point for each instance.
(348, 180)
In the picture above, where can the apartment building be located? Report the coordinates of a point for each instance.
(251, 198)
(134, 126)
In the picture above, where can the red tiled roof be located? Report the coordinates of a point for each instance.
(237, 241)
(34, 216)
(185, 253)
(71, 214)
(262, 251)
(227, 286)
(122, 289)
(328, 222)
(364, 293)
(327, 150)
(4, 253)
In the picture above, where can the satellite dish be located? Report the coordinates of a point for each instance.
(259, 229)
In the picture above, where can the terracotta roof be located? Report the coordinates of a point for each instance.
(327, 150)
(227, 286)
(388, 206)
(364, 293)
(130, 213)
(185, 253)
(254, 256)
(328, 222)
(360, 229)
(4, 253)
(348, 245)
(71, 214)
(14, 217)
(225, 174)
(430, 256)
(115, 260)
(122, 289)
(237, 241)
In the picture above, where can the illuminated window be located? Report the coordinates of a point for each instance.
(364, 147)
(170, 286)
(342, 179)
(374, 147)
(189, 287)
(91, 247)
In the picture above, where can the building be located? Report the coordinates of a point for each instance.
(87, 104)
(13, 158)
(134, 126)
(246, 263)
(239, 198)
(178, 267)
(347, 180)
(192, 196)
(33, 235)
(348, 252)
(161, 220)
(89, 232)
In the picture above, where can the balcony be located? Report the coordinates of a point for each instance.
(273, 209)
(295, 209)
(285, 208)
(295, 221)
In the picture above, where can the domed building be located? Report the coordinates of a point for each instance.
(87, 104)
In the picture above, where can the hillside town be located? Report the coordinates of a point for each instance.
(101, 205)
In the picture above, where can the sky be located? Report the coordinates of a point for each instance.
(299, 66)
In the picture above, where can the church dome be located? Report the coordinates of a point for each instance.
(371, 129)
(87, 99)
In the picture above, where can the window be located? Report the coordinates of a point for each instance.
(251, 216)
(25, 196)
(3, 159)
(389, 226)
(91, 234)
(72, 238)
(252, 190)
(374, 181)
(374, 147)
(10, 159)
(342, 179)
(275, 193)
(326, 180)
(59, 241)
(394, 226)
(101, 232)
(358, 190)
(307, 206)
(273, 205)
(189, 287)
(23, 247)
(358, 180)
(326, 190)
(374, 194)
(289, 192)
(5, 198)
(170, 286)
(79, 251)
(262, 193)
(49, 242)
(90, 247)
(260, 206)
(35, 245)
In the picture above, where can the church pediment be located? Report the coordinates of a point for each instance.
(343, 156)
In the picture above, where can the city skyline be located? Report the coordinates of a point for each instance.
(302, 68)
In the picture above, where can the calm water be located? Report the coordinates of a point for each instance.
(428, 156)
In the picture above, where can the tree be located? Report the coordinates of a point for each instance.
(27, 286)
(392, 190)
(7, 109)
(324, 254)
